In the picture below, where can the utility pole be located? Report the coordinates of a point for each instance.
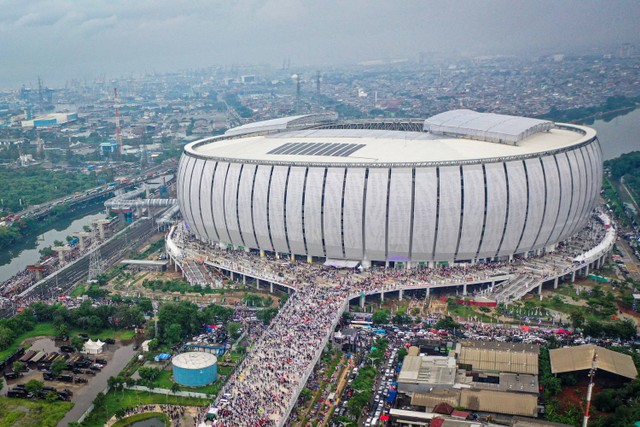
(592, 373)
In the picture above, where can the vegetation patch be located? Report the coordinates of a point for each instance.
(115, 401)
(28, 413)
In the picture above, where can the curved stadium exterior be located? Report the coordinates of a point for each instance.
(460, 186)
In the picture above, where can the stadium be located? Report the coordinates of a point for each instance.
(458, 187)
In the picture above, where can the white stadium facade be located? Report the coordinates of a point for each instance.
(460, 186)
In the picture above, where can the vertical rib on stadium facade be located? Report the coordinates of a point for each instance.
(460, 186)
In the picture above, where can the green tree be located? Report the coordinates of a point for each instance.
(46, 252)
(57, 367)
(173, 334)
(597, 292)
(18, 366)
(130, 382)
(305, 394)
(34, 386)
(234, 329)
(62, 330)
(577, 318)
(6, 337)
(120, 413)
(175, 387)
(266, 315)
(380, 317)
(447, 322)
(402, 354)
(99, 402)
(77, 343)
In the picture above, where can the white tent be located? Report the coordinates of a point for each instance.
(92, 347)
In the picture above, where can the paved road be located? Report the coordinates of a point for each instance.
(82, 400)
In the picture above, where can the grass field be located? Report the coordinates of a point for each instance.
(130, 399)
(78, 291)
(41, 329)
(164, 381)
(466, 312)
(27, 413)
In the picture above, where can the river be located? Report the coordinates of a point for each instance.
(26, 252)
(619, 135)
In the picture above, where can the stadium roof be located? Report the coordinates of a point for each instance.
(376, 147)
(485, 126)
(570, 359)
(282, 123)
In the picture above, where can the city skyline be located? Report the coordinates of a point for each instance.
(61, 40)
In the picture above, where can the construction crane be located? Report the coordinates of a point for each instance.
(592, 373)
(116, 104)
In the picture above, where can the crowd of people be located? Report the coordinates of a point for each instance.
(262, 389)
(265, 386)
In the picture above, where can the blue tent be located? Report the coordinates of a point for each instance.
(162, 357)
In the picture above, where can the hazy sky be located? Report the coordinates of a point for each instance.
(64, 39)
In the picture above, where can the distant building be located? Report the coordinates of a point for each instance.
(108, 147)
(50, 120)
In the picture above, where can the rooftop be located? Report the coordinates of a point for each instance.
(428, 370)
(579, 358)
(499, 357)
(278, 142)
(194, 360)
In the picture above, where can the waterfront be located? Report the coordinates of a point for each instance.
(620, 135)
(26, 252)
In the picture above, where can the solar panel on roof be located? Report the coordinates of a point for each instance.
(316, 149)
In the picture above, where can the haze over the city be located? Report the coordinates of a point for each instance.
(62, 39)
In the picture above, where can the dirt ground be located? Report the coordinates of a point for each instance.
(133, 288)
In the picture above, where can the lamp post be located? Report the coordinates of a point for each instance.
(592, 373)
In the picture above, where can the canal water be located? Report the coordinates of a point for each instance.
(26, 252)
(619, 135)
(151, 422)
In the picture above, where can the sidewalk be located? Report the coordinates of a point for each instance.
(167, 391)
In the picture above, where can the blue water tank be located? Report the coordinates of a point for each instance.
(195, 369)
